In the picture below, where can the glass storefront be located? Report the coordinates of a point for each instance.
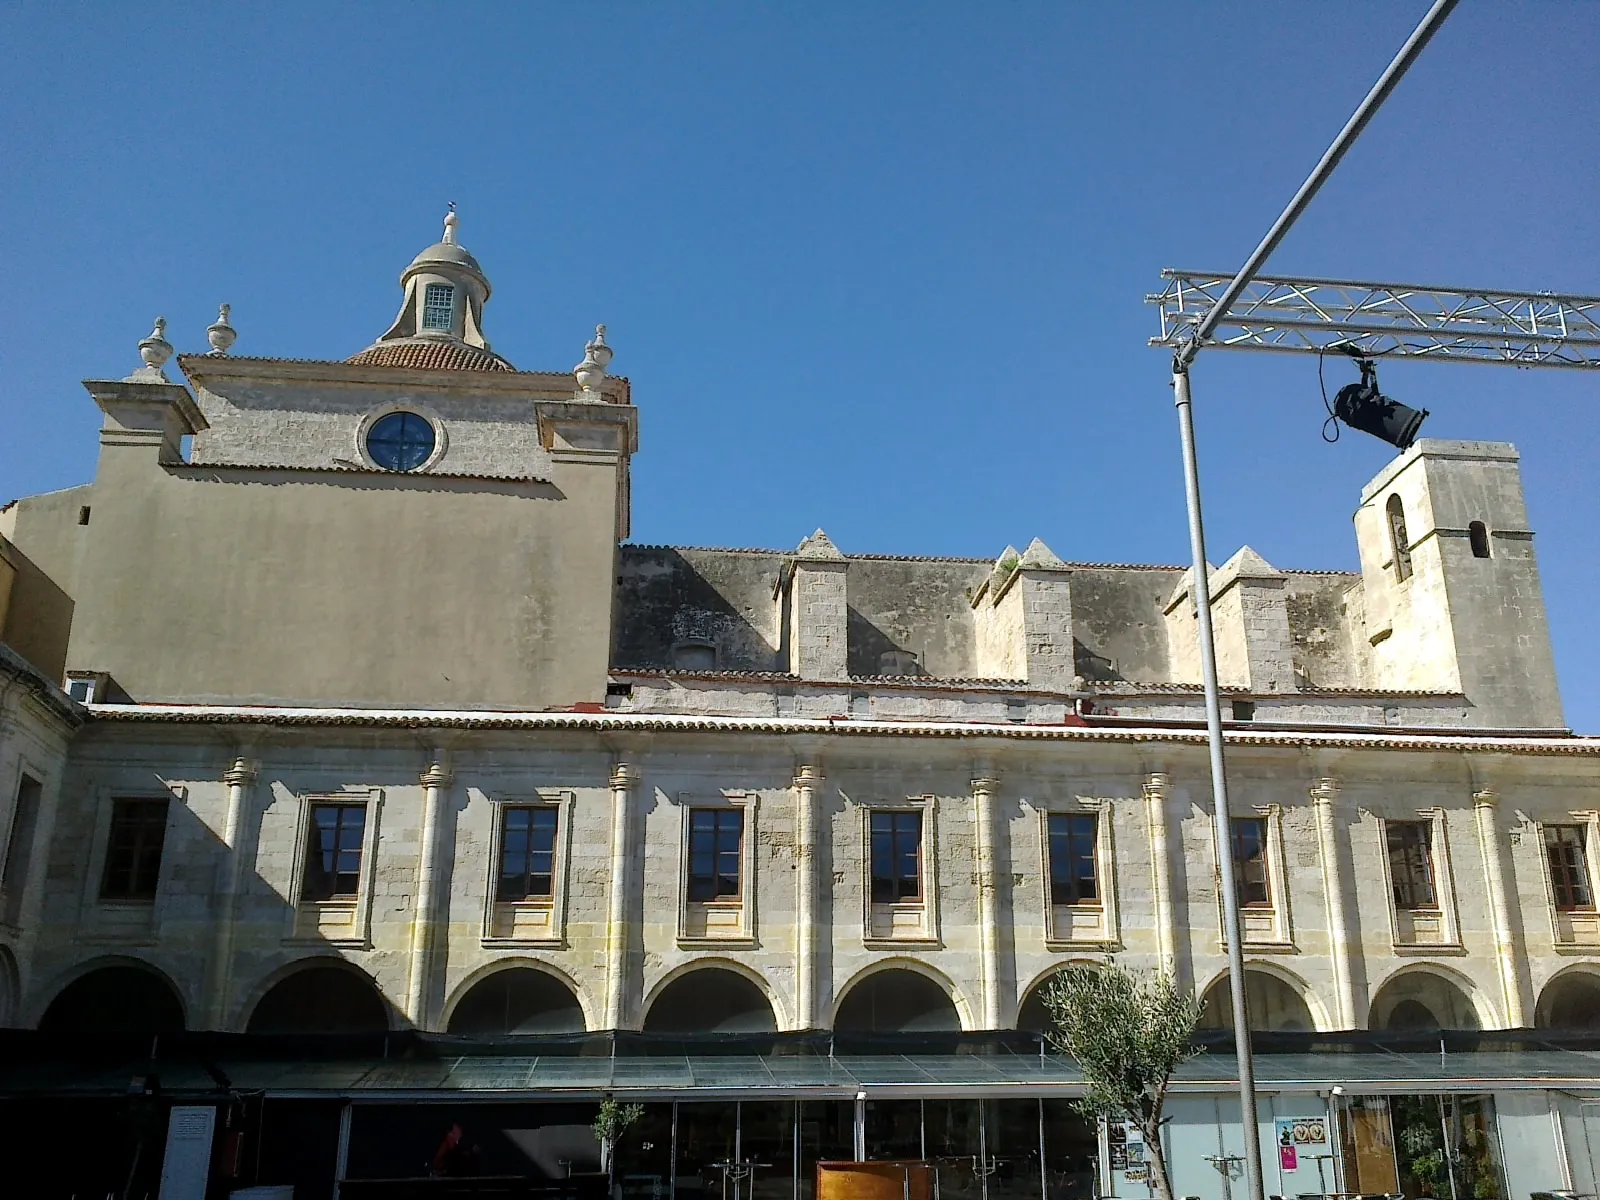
(1439, 1146)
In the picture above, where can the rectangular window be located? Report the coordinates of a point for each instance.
(896, 857)
(716, 843)
(333, 851)
(438, 306)
(1564, 846)
(1250, 862)
(1073, 879)
(133, 850)
(527, 853)
(14, 875)
(1411, 864)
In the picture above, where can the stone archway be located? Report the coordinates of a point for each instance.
(1276, 1005)
(517, 1000)
(116, 998)
(896, 1000)
(1569, 1001)
(710, 1000)
(1421, 1001)
(321, 998)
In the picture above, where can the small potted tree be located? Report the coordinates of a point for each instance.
(610, 1123)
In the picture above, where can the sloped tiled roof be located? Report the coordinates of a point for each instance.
(430, 356)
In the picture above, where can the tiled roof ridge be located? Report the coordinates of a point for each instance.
(1564, 743)
(355, 470)
(427, 355)
(214, 359)
(953, 559)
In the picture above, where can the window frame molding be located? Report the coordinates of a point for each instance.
(423, 306)
(563, 801)
(927, 805)
(417, 408)
(360, 906)
(1105, 865)
(1444, 885)
(113, 921)
(743, 934)
(1278, 905)
(24, 767)
(1589, 819)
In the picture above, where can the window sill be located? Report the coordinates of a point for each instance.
(733, 941)
(891, 943)
(1592, 949)
(1083, 945)
(1261, 946)
(134, 937)
(1415, 949)
(508, 943)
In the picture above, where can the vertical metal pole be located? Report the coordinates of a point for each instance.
(1044, 1174)
(1201, 591)
(341, 1161)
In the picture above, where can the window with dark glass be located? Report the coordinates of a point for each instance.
(438, 306)
(400, 441)
(1250, 862)
(716, 840)
(333, 851)
(1564, 846)
(1399, 540)
(527, 853)
(133, 850)
(896, 857)
(1411, 864)
(1073, 879)
(1478, 538)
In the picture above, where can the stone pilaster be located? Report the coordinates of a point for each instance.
(817, 616)
(435, 782)
(1324, 796)
(618, 936)
(1486, 806)
(240, 778)
(808, 782)
(985, 788)
(1157, 787)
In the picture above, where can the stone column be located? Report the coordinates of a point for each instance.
(984, 789)
(1324, 795)
(239, 778)
(1157, 787)
(436, 787)
(1486, 804)
(807, 783)
(623, 777)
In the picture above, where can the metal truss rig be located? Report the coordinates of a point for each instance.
(1527, 329)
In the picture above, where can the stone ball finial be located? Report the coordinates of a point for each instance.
(451, 224)
(155, 349)
(221, 334)
(596, 358)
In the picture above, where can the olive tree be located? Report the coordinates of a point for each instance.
(1128, 1033)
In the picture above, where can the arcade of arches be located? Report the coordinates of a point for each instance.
(1419, 1001)
(321, 999)
(896, 1001)
(1275, 1005)
(710, 1000)
(115, 999)
(517, 1000)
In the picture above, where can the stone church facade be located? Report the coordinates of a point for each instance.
(339, 700)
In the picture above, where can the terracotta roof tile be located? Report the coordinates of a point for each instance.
(430, 356)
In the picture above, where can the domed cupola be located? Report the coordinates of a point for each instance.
(440, 326)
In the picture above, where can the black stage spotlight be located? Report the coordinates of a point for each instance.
(1361, 406)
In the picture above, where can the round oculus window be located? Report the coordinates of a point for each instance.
(401, 441)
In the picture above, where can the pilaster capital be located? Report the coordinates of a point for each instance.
(437, 774)
(1157, 786)
(1324, 791)
(242, 773)
(808, 776)
(623, 776)
(985, 785)
(1486, 798)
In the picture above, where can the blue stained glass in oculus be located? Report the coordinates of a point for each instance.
(401, 441)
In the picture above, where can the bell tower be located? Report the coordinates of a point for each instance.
(1451, 584)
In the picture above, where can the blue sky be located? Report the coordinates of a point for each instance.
(877, 268)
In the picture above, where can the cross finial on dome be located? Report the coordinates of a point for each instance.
(451, 221)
